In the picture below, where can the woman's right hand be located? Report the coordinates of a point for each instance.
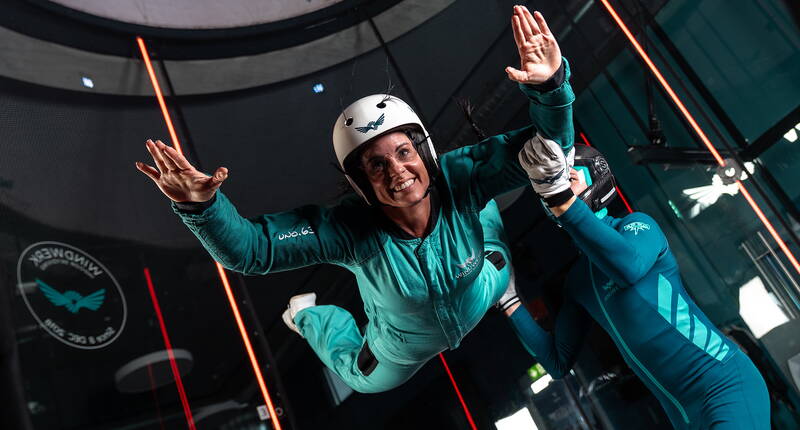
(539, 54)
(177, 178)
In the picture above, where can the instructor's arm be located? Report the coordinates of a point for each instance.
(556, 351)
(626, 255)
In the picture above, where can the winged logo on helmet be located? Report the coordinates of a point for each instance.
(372, 125)
(72, 300)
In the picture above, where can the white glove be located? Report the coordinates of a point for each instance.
(547, 167)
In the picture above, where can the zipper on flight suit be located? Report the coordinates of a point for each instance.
(438, 298)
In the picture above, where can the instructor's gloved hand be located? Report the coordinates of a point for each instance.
(548, 169)
(177, 178)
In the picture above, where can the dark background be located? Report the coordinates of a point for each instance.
(67, 174)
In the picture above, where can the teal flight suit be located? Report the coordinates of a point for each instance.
(421, 295)
(628, 281)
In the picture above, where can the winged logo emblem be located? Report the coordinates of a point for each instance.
(468, 261)
(72, 300)
(636, 227)
(372, 125)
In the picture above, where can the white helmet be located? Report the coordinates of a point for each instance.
(368, 118)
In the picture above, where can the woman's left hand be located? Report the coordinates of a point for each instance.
(539, 54)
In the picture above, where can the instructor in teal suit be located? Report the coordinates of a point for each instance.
(628, 280)
(422, 236)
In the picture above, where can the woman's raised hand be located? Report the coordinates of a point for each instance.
(539, 54)
(177, 178)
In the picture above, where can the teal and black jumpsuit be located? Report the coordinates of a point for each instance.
(628, 281)
(421, 295)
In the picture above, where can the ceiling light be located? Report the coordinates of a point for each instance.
(87, 82)
(791, 135)
(318, 88)
(708, 195)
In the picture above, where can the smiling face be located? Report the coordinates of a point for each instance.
(395, 170)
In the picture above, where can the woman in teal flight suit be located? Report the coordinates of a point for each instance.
(628, 280)
(417, 237)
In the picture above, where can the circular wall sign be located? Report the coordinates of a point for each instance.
(71, 294)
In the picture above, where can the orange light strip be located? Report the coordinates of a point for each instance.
(223, 276)
(273, 416)
(772, 231)
(170, 354)
(159, 95)
(619, 191)
(700, 132)
(458, 393)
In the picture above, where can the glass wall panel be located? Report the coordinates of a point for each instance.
(731, 265)
(747, 56)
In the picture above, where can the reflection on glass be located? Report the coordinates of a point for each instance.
(791, 135)
(541, 383)
(707, 195)
(759, 309)
(520, 420)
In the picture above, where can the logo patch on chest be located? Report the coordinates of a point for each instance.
(609, 288)
(469, 264)
(636, 227)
